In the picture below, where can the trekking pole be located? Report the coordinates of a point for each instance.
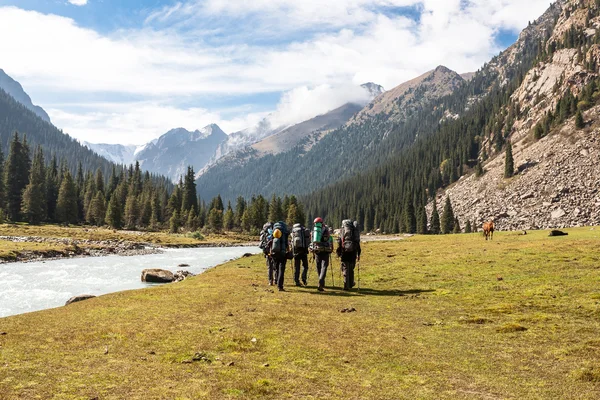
(359, 275)
(332, 276)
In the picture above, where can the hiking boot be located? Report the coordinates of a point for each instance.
(281, 289)
(298, 284)
(304, 283)
(320, 289)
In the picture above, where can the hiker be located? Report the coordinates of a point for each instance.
(266, 238)
(300, 244)
(348, 250)
(279, 251)
(321, 247)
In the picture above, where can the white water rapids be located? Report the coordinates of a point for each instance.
(34, 286)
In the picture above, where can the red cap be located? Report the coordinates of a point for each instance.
(318, 220)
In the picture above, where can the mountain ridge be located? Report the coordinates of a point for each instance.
(15, 89)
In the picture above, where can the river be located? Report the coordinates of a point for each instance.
(34, 286)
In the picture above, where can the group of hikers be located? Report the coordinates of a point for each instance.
(280, 245)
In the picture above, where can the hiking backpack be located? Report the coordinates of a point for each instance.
(265, 235)
(300, 239)
(279, 245)
(350, 236)
(317, 232)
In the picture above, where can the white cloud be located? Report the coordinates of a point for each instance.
(226, 48)
(304, 103)
(78, 2)
(143, 121)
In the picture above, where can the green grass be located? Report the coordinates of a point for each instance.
(437, 318)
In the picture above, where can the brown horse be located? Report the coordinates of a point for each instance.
(488, 230)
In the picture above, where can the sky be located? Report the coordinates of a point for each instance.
(116, 71)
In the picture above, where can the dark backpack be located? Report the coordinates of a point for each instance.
(300, 239)
(279, 245)
(350, 237)
(265, 236)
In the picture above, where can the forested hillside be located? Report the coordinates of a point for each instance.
(343, 153)
(15, 117)
(393, 196)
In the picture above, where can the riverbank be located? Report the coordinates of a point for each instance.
(32, 243)
(439, 317)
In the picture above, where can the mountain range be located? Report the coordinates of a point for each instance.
(172, 152)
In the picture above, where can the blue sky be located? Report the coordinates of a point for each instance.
(128, 71)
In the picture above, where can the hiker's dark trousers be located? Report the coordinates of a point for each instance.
(348, 272)
(280, 268)
(271, 269)
(348, 266)
(300, 259)
(322, 260)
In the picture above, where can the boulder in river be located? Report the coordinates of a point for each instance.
(157, 276)
(76, 299)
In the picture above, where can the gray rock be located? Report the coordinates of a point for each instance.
(157, 276)
(76, 299)
(556, 214)
(181, 276)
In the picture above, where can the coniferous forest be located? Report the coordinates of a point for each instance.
(38, 190)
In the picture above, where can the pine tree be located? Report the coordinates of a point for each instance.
(447, 218)
(52, 186)
(435, 220)
(145, 212)
(189, 196)
(192, 220)
(97, 209)
(245, 221)
(174, 222)
(276, 210)
(292, 216)
(131, 212)
(479, 171)
(217, 204)
(410, 221)
(99, 181)
(66, 206)
(34, 196)
(240, 207)
(155, 216)
(215, 220)
(2, 189)
(114, 215)
(509, 164)
(468, 228)
(228, 218)
(579, 122)
(16, 176)
(422, 221)
(457, 228)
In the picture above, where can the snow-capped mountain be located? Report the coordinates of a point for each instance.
(170, 154)
(117, 153)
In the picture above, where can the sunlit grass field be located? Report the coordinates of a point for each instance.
(448, 317)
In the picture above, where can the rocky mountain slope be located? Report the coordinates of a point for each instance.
(557, 184)
(320, 160)
(298, 134)
(403, 100)
(557, 170)
(14, 88)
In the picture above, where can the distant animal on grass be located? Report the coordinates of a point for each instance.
(558, 233)
(488, 230)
